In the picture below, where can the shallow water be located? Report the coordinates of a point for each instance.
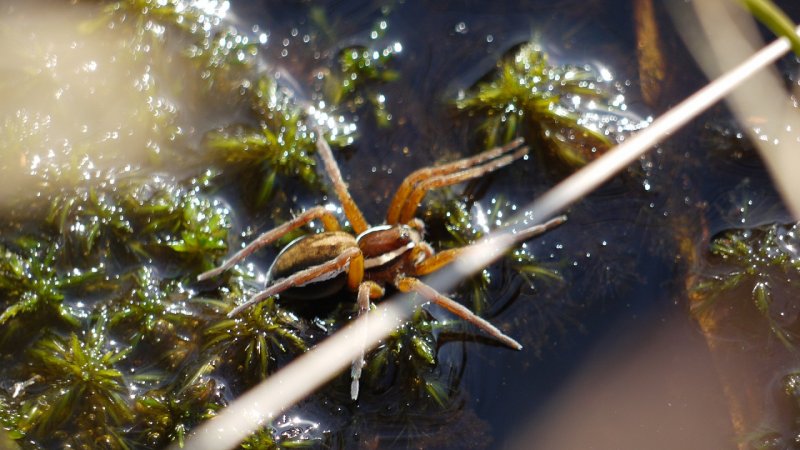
(612, 357)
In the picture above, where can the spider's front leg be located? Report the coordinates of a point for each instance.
(413, 188)
(437, 261)
(410, 284)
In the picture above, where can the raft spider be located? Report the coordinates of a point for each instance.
(317, 265)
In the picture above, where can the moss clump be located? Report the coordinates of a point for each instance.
(554, 107)
(78, 396)
(752, 270)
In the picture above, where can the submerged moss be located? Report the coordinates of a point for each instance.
(360, 71)
(140, 218)
(760, 266)
(409, 356)
(166, 415)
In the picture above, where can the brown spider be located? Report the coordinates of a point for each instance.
(317, 265)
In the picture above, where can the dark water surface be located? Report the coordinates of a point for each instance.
(612, 357)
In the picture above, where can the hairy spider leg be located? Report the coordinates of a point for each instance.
(318, 212)
(441, 259)
(350, 260)
(366, 291)
(410, 284)
(415, 197)
(351, 210)
(400, 196)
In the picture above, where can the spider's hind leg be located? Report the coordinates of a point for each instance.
(348, 260)
(318, 212)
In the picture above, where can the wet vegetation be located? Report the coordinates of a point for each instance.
(107, 340)
(110, 342)
(549, 104)
(762, 262)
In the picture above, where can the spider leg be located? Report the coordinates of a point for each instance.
(351, 210)
(366, 291)
(318, 212)
(441, 259)
(409, 284)
(342, 262)
(418, 192)
(401, 195)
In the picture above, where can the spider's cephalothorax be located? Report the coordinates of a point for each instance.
(317, 265)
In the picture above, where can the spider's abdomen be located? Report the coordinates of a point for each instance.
(307, 251)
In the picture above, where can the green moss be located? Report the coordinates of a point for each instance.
(528, 96)
(166, 415)
(461, 230)
(355, 82)
(254, 342)
(82, 395)
(32, 284)
(760, 265)
(409, 356)
(142, 218)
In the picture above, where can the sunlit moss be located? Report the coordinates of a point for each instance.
(355, 81)
(82, 395)
(9, 420)
(528, 96)
(223, 57)
(31, 282)
(151, 308)
(268, 438)
(281, 143)
(146, 216)
(255, 342)
(762, 265)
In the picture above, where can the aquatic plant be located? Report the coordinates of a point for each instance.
(760, 263)
(462, 228)
(281, 143)
(166, 415)
(223, 58)
(528, 96)
(147, 217)
(354, 81)
(32, 283)
(254, 342)
(270, 438)
(82, 395)
(408, 356)
(148, 307)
